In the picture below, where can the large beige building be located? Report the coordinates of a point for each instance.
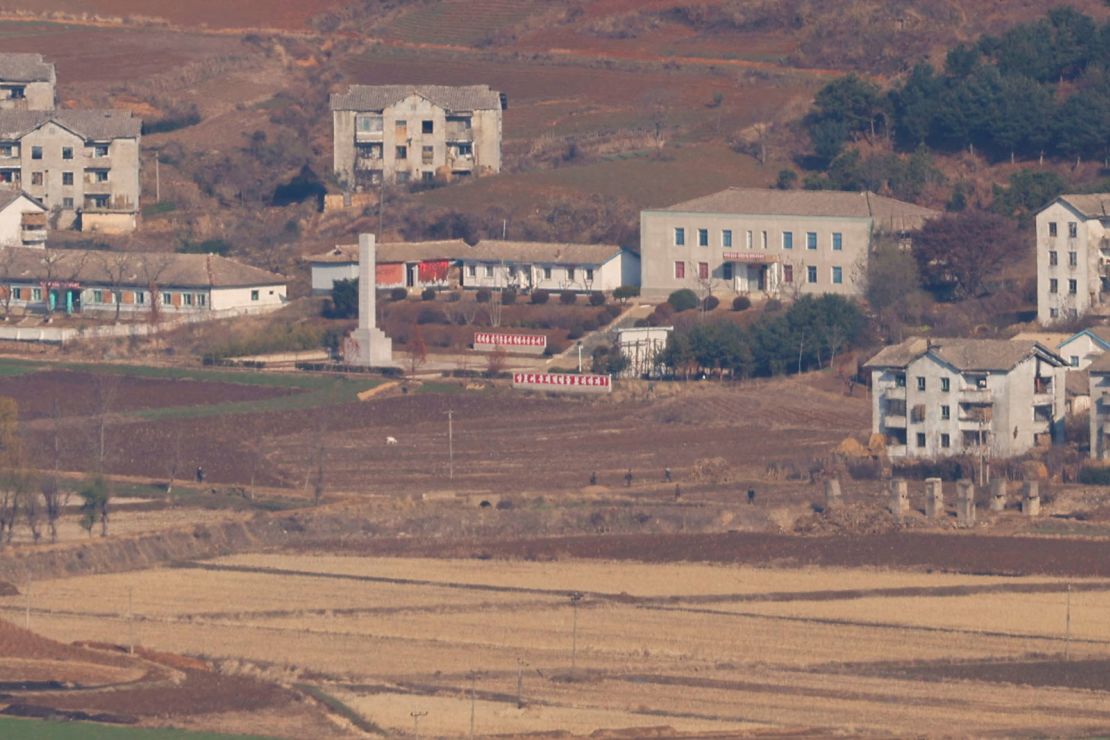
(82, 165)
(773, 242)
(26, 82)
(940, 397)
(1073, 257)
(410, 133)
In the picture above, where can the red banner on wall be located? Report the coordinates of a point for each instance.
(390, 273)
(433, 271)
(563, 382)
(509, 340)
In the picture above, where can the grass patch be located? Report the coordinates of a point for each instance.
(37, 729)
(337, 391)
(444, 388)
(154, 209)
(340, 708)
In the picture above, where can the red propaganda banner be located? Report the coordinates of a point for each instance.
(563, 382)
(488, 341)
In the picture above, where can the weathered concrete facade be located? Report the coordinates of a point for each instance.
(1073, 257)
(1099, 379)
(772, 242)
(22, 220)
(406, 133)
(27, 82)
(957, 396)
(83, 166)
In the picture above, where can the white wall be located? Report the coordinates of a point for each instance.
(1083, 348)
(325, 275)
(1086, 271)
(233, 298)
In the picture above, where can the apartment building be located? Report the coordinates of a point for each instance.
(411, 133)
(772, 242)
(82, 165)
(27, 82)
(941, 397)
(1073, 257)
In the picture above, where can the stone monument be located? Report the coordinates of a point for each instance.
(965, 503)
(998, 494)
(368, 345)
(934, 498)
(1031, 500)
(899, 497)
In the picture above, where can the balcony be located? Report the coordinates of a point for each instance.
(94, 187)
(459, 133)
(34, 235)
(368, 136)
(460, 163)
(975, 395)
(896, 450)
(368, 163)
(894, 421)
(894, 392)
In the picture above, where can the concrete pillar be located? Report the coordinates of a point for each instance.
(998, 494)
(832, 493)
(899, 497)
(965, 503)
(1031, 499)
(367, 345)
(934, 498)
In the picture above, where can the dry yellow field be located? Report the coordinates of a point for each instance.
(697, 648)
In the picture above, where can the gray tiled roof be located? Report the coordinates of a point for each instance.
(448, 249)
(379, 97)
(962, 354)
(1091, 205)
(886, 212)
(544, 253)
(25, 68)
(171, 269)
(1100, 365)
(92, 125)
(10, 195)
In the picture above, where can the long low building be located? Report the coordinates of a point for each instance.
(87, 281)
(489, 264)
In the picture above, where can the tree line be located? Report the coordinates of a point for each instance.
(1040, 89)
(807, 335)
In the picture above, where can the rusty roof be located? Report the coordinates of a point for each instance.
(451, 98)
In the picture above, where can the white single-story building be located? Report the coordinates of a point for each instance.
(549, 266)
(399, 265)
(88, 281)
(22, 220)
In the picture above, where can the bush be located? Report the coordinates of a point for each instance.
(430, 316)
(428, 294)
(772, 305)
(642, 322)
(398, 294)
(590, 325)
(741, 303)
(625, 292)
(611, 312)
(540, 297)
(576, 332)
(508, 296)
(597, 299)
(1094, 475)
(711, 302)
(664, 310)
(568, 298)
(683, 300)
(483, 295)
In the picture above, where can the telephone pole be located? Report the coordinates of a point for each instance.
(450, 444)
(574, 599)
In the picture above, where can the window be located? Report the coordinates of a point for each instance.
(402, 152)
(811, 240)
(811, 274)
(100, 150)
(7, 150)
(1053, 285)
(703, 237)
(67, 152)
(489, 270)
(1054, 313)
(589, 273)
(98, 296)
(703, 271)
(1073, 287)
(945, 385)
(920, 382)
(254, 295)
(17, 93)
(1073, 259)
(837, 241)
(726, 271)
(202, 299)
(67, 178)
(98, 175)
(1075, 360)
(679, 236)
(900, 381)
(920, 439)
(945, 412)
(67, 203)
(764, 240)
(788, 240)
(679, 270)
(1052, 228)
(427, 127)
(788, 273)
(838, 275)
(36, 178)
(945, 440)
(472, 271)
(427, 154)
(1053, 258)
(748, 239)
(140, 297)
(726, 237)
(36, 294)
(401, 127)
(167, 299)
(403, 177)
(369, 124)
(1073, 229)
(547, 273)
(36, 152)
(187, 299)
(17, 294)
(570, 274)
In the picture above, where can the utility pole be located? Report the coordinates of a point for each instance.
(1067, 628)
(575, 597)
(130, 621)
(27, 612)
(520, 683)
(472, 674)
(450, 444)
(579, 358)
(157, 179)
(416, 722)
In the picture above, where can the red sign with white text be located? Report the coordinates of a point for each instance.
(488, 341)
(563, 382)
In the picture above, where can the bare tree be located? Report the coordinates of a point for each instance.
(7, 267)
(13, 475)
(321, 460)
(121, 271)
(151, 268)
(32, 511)
(418, 350)
(54, 499)
(105, 390)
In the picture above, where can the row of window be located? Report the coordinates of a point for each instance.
(1054, 286)
(836, 272)
(945, 440)
(100, 296)
(91, 176)
(1054, 258)
(836, 239)
(1071, 313)
(1073, 229)
(96, 151)
(472, 271)
(373, 124)
(945, 383)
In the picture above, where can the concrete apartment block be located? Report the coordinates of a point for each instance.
(1073, 257)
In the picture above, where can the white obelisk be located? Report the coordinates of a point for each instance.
(367, 345)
